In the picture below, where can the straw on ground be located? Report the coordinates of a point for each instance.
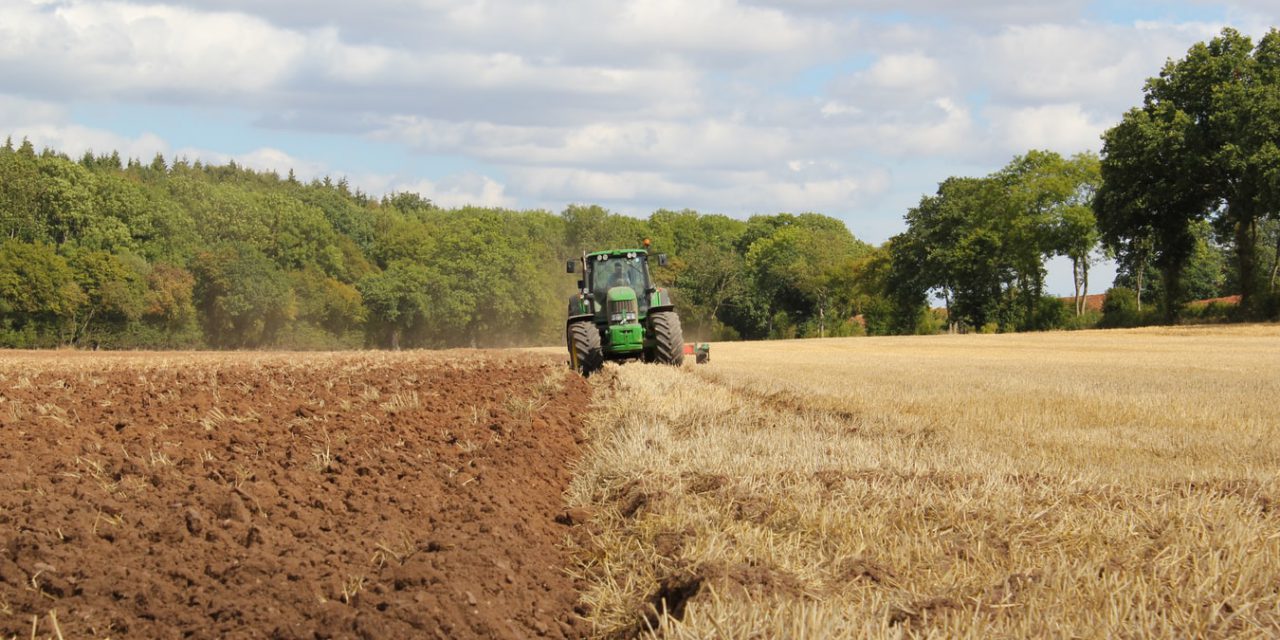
(1090, 484)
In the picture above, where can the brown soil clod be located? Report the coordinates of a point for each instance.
(575, 517)
(674, 592)
(669, 544)
(671, 597)
(633, 500)
(830, 479)
(753, 508)
(704, 482)
(858, 569)
(1008, 589)
(920, 610)
(760, 579)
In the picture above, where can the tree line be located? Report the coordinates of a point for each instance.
(104, 251)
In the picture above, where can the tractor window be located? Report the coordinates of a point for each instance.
(618, 271)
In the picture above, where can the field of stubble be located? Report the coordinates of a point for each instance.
(1088, 484)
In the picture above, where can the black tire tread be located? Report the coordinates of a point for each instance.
(668, 338)
(584, 347)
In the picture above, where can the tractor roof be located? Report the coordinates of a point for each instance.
(617, 252)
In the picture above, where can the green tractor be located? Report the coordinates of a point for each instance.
(619, 313)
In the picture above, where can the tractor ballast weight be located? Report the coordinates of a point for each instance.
(618, 312)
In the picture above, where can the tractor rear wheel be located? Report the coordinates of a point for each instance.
(585, 355)
(668, 345)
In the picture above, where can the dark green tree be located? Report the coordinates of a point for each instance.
(1229, 92)
(242, 297)
(1155, 187)
(39, 296)
(114, 289)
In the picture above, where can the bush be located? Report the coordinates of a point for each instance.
(835, 328)
(784, 328)
(1212, 312)
(1120, 309)
(21, 337)
(933, 321)
(725, 333)
(1090, 319)
(1051, 313)
(878, 316)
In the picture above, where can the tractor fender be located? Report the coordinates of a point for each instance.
(579, 308)
(660, 300)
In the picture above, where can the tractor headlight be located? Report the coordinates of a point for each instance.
(616, 318)
(631, 316)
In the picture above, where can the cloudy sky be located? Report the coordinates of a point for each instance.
(850, 108)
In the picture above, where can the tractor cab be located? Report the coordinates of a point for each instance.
(607, 272)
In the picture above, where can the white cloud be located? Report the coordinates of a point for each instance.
(973, 11)
(586, 185)
(532, 56)
(705, 144)
(1065, 128)
(896, 88)
(945, 127)
(717, 25)
(1100, 64)
(821, 195)
(913, 72)
(123, 49)
(733, 191)
(455, 191)
(573, 32)
(16, 112)
(833, 108)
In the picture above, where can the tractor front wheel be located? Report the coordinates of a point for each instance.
(668, 345)
(585, 355)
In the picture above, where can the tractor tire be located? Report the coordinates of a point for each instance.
(585, 355)
(668, 345)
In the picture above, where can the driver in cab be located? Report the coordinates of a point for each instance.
(620, 277)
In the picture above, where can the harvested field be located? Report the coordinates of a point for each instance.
(286, 495)
(1087, 484)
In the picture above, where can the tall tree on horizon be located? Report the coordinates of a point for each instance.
(1225, 96)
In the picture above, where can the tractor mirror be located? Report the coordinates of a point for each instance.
(570, 266)
(662, 259)
(582, 284)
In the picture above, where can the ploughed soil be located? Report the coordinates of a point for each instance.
(384, 495)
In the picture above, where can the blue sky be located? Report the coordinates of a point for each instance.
(853, 109)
